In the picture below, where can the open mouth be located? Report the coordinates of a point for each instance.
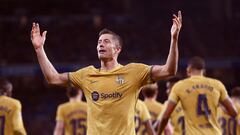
(101, 51)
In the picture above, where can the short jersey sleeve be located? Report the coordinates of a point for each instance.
(142, 73)
(174, 97)
(18, 126)
(60, 114)
(145, 115)
(76, 78)
(223, 91)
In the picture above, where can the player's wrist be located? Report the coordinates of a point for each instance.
(175, 36)
(38, 49)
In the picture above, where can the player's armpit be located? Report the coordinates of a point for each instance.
(229, 106)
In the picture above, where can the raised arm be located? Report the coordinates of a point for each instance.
(50, 73)
(170, 68)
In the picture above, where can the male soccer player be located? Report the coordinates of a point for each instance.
(72, 116)
(177, 116)
(112, 90)
(154, 107)
(199, 96)
(230, 125)
(11, 122)
(142, 119)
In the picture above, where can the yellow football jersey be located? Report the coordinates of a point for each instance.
(177, 120)
(228, 124)
(238, 122)
(74, 116)
(141, 115)
(11, 117)
(111, 96)
(155, 108)
(199, 97)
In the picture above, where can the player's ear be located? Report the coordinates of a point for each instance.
(118, 49)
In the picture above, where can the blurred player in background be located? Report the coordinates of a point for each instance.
(150, 93)
(11, 122)
(71, 116)
(112, 90)
(199, 96)
(230, 125)
(177, 116)
(142, 119)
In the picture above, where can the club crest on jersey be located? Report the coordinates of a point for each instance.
(120, 79)
(95, 96)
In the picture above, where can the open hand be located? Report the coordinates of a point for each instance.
(177, 24)
(36, 37)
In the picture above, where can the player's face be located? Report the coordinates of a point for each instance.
(107, 48)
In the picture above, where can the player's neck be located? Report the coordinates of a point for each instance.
(109, 65)
(150, 99)
(196, 73)
(75, 100)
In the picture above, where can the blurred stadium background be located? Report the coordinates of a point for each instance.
(211, 29)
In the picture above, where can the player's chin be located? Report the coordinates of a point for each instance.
(102, 57)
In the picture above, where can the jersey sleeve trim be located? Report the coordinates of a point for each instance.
(151, 68)
(172, 101)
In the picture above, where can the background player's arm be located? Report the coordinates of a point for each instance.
(50, 73)
(168, 130)
(170, 68)
(225, 99)
(149, 127)
(59, 128)
(229, 106)
(164, 119)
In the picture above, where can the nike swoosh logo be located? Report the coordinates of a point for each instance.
(91, 81)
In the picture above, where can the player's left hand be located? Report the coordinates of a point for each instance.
(177, 24)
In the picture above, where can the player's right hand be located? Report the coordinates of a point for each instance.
(36, 37)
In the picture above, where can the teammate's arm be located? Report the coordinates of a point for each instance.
(225, 100)
(59, 128)
(50, 73)
(148, 125)
(168, 130)
(167, 113)
(229, 106)
(170, 68)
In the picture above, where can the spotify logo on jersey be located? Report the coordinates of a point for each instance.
(95, 96)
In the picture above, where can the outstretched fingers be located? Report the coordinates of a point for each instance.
(180, 16)
(35, 30)
(176, 19)
(44, 34)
